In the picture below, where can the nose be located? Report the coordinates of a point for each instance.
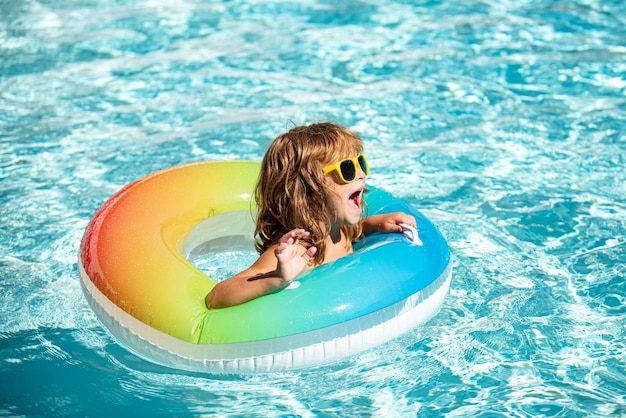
(360, 174)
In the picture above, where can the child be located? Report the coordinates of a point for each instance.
(310, 210)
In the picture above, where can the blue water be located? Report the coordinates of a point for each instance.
(503, 121)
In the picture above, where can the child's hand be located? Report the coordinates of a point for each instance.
(387, 222)
(259, 279)
(290, 262)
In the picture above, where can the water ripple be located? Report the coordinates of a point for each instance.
(501, 120)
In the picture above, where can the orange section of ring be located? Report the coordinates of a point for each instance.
(132, 248)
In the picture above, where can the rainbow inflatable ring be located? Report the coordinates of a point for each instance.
(137, 277)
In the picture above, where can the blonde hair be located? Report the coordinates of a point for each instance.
(292, 192)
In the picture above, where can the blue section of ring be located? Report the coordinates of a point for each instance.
(384, 269)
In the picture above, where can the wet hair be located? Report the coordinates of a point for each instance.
(292, 190)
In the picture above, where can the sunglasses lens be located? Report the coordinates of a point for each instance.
(348, 170)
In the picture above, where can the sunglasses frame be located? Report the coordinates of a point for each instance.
(355, 163)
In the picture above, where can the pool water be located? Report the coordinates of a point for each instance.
(503, 121)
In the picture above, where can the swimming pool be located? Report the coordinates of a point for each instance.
(501, 121)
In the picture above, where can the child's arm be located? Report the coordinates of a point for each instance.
(387, 222)
(275, 269)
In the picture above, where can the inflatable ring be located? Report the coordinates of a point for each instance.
(137, 277)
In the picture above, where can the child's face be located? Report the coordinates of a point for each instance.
(347, 198)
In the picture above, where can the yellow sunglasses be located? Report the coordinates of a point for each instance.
(347, 168)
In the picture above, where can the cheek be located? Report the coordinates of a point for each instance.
(333, 179)
(334, 199)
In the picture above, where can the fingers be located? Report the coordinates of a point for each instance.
(293, 236)
(309, 253)
(403, 218)
(393, 220)
(289, 241)
(292, 258)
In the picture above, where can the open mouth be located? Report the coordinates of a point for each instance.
(355, 199)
